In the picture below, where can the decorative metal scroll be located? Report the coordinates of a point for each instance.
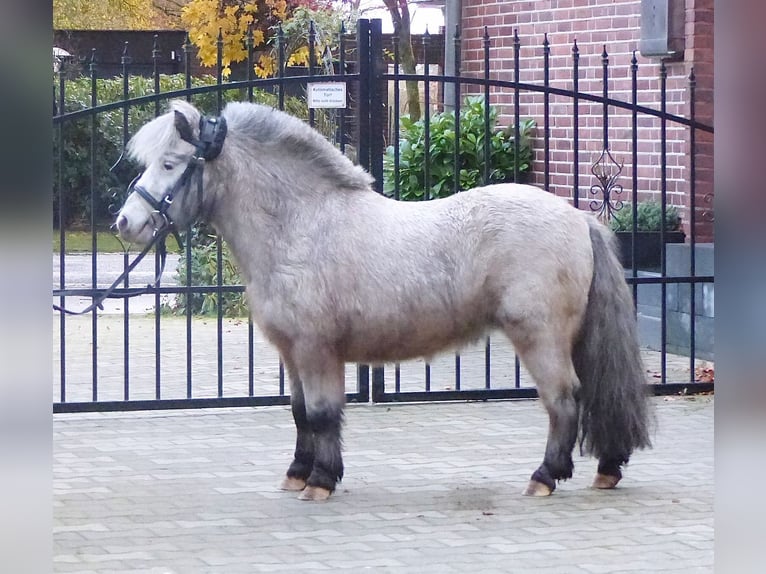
(707, 214)
(606, 170)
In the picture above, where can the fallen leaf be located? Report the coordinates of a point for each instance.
(704, 374)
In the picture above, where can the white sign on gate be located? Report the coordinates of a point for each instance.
(327, 94)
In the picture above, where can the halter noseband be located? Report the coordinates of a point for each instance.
(212, 133)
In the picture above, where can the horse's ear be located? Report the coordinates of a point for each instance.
(183, 127)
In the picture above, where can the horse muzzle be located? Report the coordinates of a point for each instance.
(139, 228)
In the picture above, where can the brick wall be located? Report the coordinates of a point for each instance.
(593, 24)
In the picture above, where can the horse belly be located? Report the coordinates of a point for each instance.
(411, 335)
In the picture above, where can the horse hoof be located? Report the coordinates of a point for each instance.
(314, 493)
(293, 484)
(605, 481)
(535, 488)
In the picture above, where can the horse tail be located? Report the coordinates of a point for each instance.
(614, 406)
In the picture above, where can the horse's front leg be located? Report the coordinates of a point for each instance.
(303, 461)
(324, 398)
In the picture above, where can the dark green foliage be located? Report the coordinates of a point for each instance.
(649, 216)
(441, 153)
(204, 272)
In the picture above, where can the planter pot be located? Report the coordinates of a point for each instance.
(648, 247)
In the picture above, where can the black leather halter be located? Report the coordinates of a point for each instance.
(212, 132)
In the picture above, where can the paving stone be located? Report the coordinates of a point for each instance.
(429, 488)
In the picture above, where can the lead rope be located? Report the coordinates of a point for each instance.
(159, 241)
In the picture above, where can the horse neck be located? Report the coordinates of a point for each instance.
(252, 215)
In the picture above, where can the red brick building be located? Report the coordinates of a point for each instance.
(594, 24)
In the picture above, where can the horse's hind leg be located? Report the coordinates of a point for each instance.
(548, 360)
(303, 461)
(322, 378)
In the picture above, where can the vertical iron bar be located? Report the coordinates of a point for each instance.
(576, 122)
(363, 103)
(456, 183)
(426, 119)
(487, 354)
(663, 210)
(125, 61)
(312, 63)
(188, 248)
(517, 145)
(486, 107)
(546, 114)
(376, 109)
(94, 246)
(397, 104)
(342, 72)
(249, 41)
(218, 238)
(157, 332)
(605, 87)
(281, 66)
(157, 323)
(427, 146)
(250, 357)
(376, 150)
(692, 224)
(458, 59)
(397, 156)
(487, 365)
(634, 144)
(457, 160)
(516, 104)
(281, 377)
(378, 382)
(189, 294)
(363, 380)
(187, 48)
(62, 235)
(219, 308)
(363, 136)
(156, 53)
(219, 71)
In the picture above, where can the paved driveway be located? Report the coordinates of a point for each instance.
(431, 488)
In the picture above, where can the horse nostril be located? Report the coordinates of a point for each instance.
(121, 224)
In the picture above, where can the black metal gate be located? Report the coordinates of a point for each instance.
(123, 360)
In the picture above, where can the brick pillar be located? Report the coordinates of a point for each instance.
(699, 53)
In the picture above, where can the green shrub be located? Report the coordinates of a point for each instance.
(204, 272)
(649, 216)
(441, 152)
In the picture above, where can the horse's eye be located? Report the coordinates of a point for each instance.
(167, 166)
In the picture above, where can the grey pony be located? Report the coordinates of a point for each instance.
(337, 273)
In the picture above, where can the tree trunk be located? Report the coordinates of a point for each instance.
(407, 61)
(400, 15)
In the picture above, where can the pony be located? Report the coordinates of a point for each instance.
(336, 272)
